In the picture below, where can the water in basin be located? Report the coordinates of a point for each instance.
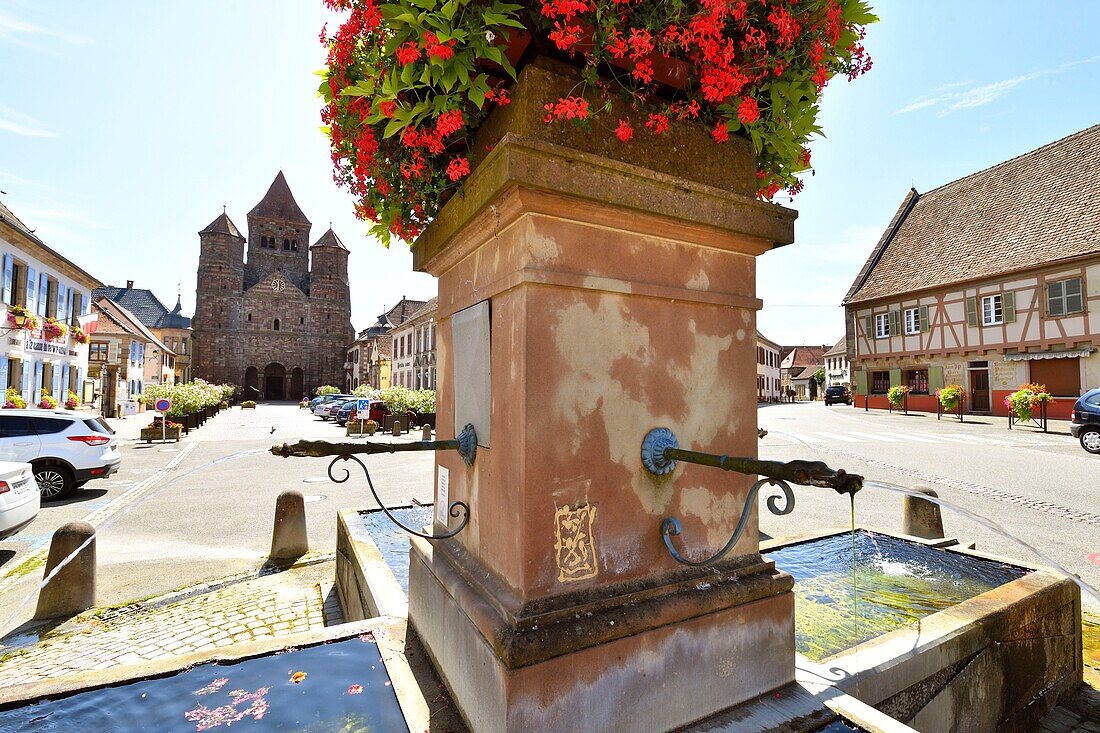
(892, 582)
(341, 686)
(392, 541)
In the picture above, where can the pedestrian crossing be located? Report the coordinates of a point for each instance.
(898, 437)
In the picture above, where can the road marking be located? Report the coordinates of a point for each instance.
(921, 438)
(838, 436)
(37, 555)
(800, 437)
(876, 436)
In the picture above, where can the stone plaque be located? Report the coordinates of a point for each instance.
(442, 496)
(574, 544)
(472, 384)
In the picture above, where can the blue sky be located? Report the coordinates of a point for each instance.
(125, 126)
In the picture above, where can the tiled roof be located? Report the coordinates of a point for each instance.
(8, 217)
(403, 311)
(127, 319)
(279, 203)
(425, 310)
(329, 239)
(803, 356)
(144, 306)
(223, 225)
(768, 341)
(1038, 208)
(838, 350)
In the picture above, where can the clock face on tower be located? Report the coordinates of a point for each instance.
(278, 285)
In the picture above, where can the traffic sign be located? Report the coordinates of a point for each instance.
(163, 405)
(362, 406)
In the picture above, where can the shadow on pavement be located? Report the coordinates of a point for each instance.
(6, 556)
(77, 497)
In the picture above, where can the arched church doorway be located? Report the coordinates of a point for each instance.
(274, 382)
(251, 389)
(297, 384)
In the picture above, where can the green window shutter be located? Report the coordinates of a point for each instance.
(869, 326)
(895, 323)
(924, 319)
(972, 311)
(859, 381)
(935, 379)
(895, 377)
(1008, 303)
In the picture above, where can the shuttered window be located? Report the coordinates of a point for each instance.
(912, 321)
(1064, 297)
(882, 325)
(992, 311)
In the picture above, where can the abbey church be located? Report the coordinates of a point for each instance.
(275, 322)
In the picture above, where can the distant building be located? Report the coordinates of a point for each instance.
(125, 356)
(837, 372)
(171, 327)
(767, 369)
(48, 285)
(414, 349)
(989, 282)
(796, 360)
(277, 324)
(369, 357)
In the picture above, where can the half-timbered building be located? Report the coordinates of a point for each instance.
(989, 282)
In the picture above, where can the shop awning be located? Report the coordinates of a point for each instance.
(1063, 354)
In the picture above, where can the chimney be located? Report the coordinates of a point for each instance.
(129, 284)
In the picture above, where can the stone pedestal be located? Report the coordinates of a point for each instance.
(621, 286)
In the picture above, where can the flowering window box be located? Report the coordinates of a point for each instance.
(152, 434)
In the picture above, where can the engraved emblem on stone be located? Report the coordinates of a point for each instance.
(575, 545)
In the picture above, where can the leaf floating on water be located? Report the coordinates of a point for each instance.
(212, 687)
(298, 677)
(355, 690)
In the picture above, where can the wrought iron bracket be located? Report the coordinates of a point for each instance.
(661, 450)
(670, 526)
(456, 509)
(465, 444)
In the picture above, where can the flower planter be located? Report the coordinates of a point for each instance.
(424, 418)
(151, 434)
(248, 407)
(368, 428)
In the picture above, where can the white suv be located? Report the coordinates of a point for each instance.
(65, 449)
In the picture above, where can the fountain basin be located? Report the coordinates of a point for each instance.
(987, 641)
(995, 660)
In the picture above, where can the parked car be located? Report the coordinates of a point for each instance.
(65, 449)
(838, 393)
(19, 500)
(1085, 423)
(319, 402)
(378, 410)
(325, 410)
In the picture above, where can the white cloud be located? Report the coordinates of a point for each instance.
(23, 33)
(26, 130)
(957, 96)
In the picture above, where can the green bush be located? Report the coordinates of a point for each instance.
(189, 397)
(325, 389)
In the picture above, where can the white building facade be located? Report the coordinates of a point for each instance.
(767, 369)
(837, 371)
(53, 290)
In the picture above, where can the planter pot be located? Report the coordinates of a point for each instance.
(425, 418)
(387, 423)
(248, 407)
(353, 429)
(151, 434)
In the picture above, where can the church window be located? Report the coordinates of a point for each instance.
(286, 245)
(294, 245)
(250, 318)
(301, 320)
(276, 324)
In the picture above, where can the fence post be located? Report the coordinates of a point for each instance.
(866, 400)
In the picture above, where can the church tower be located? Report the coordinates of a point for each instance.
(278, 238)
(217, 300)
(330, 305)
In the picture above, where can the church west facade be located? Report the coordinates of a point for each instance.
(272, 313)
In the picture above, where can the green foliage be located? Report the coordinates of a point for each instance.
(400, 400)
(368, 392)
(819, 376)
(896, 394)
(248, 404)
(188, 397)
(1028, 398)
(325, 389)
(949, 397)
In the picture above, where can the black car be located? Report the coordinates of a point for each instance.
(1085, 424)
(838, 393)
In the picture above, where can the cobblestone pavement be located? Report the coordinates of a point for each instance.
(213, 615)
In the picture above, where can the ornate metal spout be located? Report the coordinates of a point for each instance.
(661, 450)
(465, 444)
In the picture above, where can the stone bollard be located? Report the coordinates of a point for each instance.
(288, 538)
(426, 432)
(72, 590)
(921, 518)
(396, 427)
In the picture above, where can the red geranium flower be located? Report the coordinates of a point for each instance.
(624, 131)
(747, 111)
(457, 168)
